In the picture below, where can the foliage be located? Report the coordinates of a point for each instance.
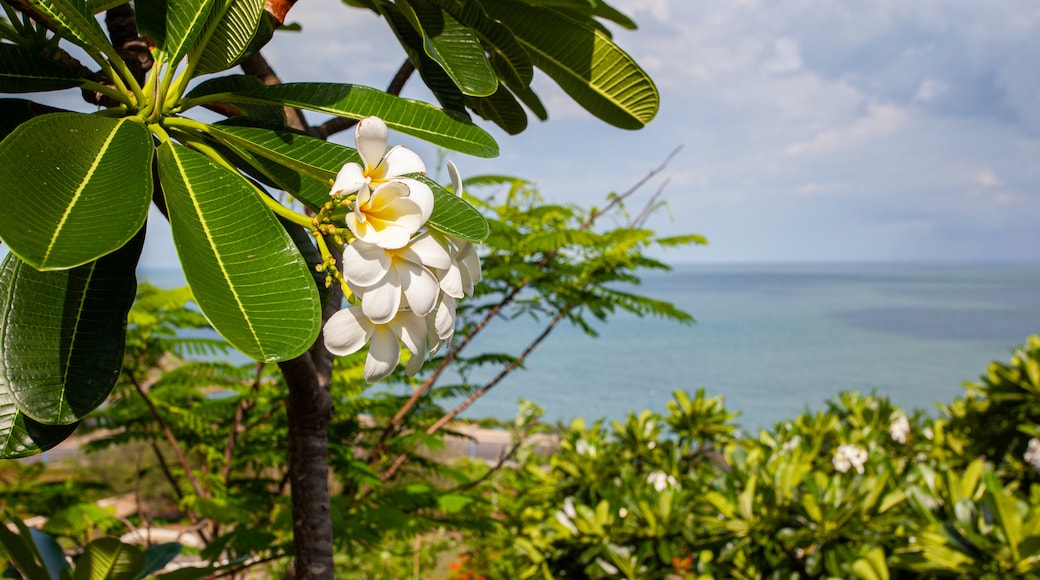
(73, 258)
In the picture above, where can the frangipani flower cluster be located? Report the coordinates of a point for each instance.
(850, 457)
(404, 276)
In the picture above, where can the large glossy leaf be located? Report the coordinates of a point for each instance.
(584, 61)
(313, 193)
(314, 157)
(233, 24)
(185, 21)
(454, 215)
(245, 273)
(510, 58)
(433, 76)
(109, 559)
(502, 109)
(62, 334)
(357, 102)
(232, 83)
(302, 165)
(453, 46)
(20, 436)
(22, 71)
(151, 20)
(75, 20)
(73, 187)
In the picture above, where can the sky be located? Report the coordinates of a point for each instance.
(811, 130)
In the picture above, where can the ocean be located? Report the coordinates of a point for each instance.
(773, 339)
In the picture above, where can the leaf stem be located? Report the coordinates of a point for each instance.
(107, 91)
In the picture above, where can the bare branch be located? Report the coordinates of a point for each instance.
(168, 433)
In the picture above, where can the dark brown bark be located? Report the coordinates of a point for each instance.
(309, 411)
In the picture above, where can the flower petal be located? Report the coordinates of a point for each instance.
(383, 355)
(411, 329)
(450, 281)
(444, 320)
(350, 178)
(370, 138)
(365, 264)
(425, 250)
(347, 331)
(420, 287)
(381, 301)
(399, 161)
(456, 178)
(421, 194)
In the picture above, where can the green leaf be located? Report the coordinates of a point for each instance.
(232, 83)
(433, 75)
(109, 559)
(313, 157)
(62, 334)
(502, 109)
(51, 554)
(244, 271)
(157, 557)
(510, 58)
(454, 215)
(357, 102)
(21, 549)
(584, 61)
(185, 21)
(233, 24)
(22, 71)
(74, 19)
(20, 436)
(151, 20)
(96, 6)
(452, 46)
(73, 187)
(14, 112)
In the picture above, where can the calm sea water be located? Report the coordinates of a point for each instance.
(774, 339)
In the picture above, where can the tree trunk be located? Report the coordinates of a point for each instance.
(309, 410)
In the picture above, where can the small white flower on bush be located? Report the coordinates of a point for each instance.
(1032, 454)
(900, 429)
(661, 481)
(850, 456)
(583, 447)
(792, 443)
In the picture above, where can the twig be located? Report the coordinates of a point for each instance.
(238, 426)
(168, 433)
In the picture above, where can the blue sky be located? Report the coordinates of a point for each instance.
(812, 130)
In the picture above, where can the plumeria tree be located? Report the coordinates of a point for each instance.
(269, 272)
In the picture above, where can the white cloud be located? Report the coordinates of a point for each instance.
(879, 120)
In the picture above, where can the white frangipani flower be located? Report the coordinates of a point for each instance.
(899, 429)
(1032, 454)
(661, 481)
(387, 202)
(348, 330)
(850, 456)
(388, 280)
